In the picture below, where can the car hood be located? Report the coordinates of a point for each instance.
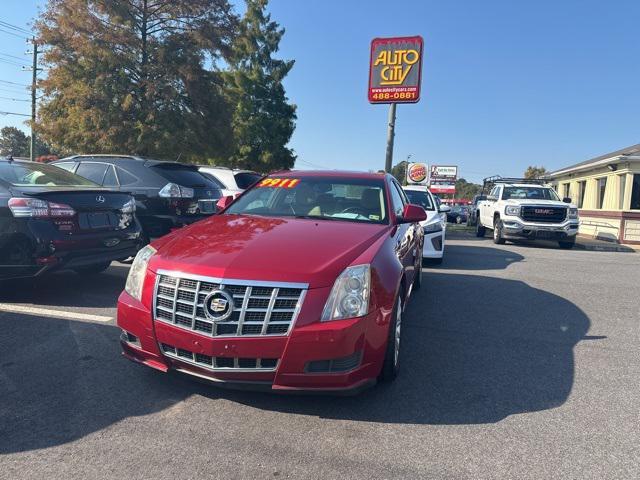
(266, 248)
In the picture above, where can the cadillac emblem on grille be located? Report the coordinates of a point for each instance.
(543, 211)
(218, 305)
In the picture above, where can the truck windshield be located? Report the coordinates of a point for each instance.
(322, 198)
(529, 193)
(25, 174)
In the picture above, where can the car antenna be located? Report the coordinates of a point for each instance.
(179, 155)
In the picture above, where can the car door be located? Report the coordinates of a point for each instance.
(486, 208)
(405, 233)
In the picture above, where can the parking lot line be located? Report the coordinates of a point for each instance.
(47, 312)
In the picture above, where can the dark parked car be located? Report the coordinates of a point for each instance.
(52, 219)
(168, 194)
(472, 217)
(457, 214)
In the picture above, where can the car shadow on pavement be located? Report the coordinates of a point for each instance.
(68, 288)
(502, 348)
(468, 257)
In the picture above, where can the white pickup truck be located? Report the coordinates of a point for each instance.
(527, 211)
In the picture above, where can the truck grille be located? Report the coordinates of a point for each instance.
(234, 364)
(543, 214)
(259, 308)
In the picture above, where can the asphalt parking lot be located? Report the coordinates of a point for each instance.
(518, 362)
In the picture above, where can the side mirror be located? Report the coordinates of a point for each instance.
(566, 199)
(224, 202)
(413, 214)
(444, 209)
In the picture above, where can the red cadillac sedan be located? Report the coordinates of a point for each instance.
(298, 284)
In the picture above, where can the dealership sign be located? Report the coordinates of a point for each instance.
(395, 70)
(443, 188)
(417, 174)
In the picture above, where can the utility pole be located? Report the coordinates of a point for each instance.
(391, 133)
(34, 80)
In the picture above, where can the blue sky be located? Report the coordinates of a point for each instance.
(505, 84)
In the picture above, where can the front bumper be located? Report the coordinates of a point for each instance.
(354, 348)
(433, 244)
(514, 227)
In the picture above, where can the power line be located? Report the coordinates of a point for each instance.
(13, 56)
(11, 62)
(13, 113)
(15, 91)
(14, 83)
(14, 34)
(14, 99)
(14, 27)
(312, 164)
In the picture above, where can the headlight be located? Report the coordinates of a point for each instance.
(129, 207)
(349, 296)
(573, 213)
(432, 227)
(512, 210)
(138, 271)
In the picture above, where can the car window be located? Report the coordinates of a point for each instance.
(68, 166)
(32, 173)
(324, 198)
(92, 171)
(110, 179)
(530, 193)
(125, 177)
(245, 179)
(213, 179)
(182, 175)
(396, 200)
(420, 198)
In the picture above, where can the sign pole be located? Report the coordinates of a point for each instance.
(391, 132)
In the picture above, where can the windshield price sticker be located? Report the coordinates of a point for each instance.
(279, 182)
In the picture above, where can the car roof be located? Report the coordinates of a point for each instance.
(226, 169)
(518, 185)
(416, 188)
(330, 173)
(123, 158)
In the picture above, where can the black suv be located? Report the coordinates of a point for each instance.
(52, 219)
(168, 194)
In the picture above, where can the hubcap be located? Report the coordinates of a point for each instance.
(396, 348)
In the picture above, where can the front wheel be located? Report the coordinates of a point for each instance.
(390, 365)
(497, 232)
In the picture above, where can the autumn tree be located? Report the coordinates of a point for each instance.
(533, 172)
(136, 76)
(262, 120)
(13, 141)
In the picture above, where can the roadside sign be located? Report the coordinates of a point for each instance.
(417, 174)
(443, 172)
(395, 70)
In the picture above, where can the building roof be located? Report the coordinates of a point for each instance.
(632, 151)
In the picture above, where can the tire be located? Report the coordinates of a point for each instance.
(417, 281)
(497, 232)
(567, 245)
(93, 269)
(480, 230)
(391, 363)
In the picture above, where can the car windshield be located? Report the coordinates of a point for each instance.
(182, 175)
(23, 174)
(323, 198)
(423, 199)
(529, 193)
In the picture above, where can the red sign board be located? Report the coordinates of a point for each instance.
(395, 70)
(442, 188)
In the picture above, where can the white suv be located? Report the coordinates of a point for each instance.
(231, 182)
(527, 211)
(434, 226)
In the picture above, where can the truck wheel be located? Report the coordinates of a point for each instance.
(92, 269)
(497, 232)
(480, 230)
(567, 245)
(391, 358)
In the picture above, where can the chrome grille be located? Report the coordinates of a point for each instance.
(218, 364)
(260, 308)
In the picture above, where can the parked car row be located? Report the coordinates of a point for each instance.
(160, 197)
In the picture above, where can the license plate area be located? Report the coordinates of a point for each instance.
(98, 221)
(207, 206)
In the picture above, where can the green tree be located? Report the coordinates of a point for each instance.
(136, 76)
(466, 189)
(399, 171)
(13, 141)
(532, 172)
(262, 120)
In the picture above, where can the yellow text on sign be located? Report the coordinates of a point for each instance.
(397, 65)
